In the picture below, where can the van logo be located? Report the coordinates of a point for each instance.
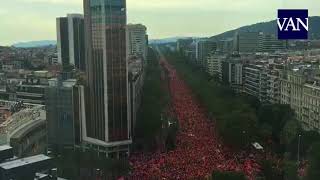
(293, 24)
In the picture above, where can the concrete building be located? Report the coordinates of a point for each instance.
(64, 117)
(232, 72)
(137, 43)
(190, 52)
(273, 84)
(24, 129)
(256, 81)
(203, 50)
(246, 42)
(182, 44)
(214, 64)
(108, 124)
(136, 82)
(311, 106)
(28, 168)
(300, 89)
(270, 43)
(225, 46)
(70, 41)
(32, 89)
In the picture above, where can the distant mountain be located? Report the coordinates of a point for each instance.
(271, 27)
(167, 40)
(32, 44)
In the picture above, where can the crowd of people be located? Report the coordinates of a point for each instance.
(199, 150)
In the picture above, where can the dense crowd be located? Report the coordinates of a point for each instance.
(199, 150)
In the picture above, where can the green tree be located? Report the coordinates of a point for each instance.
(290, 132)
(238, 127)
(269, 172)
(313, 172)
(228, 176)
(291, 170)
(154, 101)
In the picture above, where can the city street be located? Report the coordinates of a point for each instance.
(199, 150)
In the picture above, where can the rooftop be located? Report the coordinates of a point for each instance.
(5, 147)
(23, 162)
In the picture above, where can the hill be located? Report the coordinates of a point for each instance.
(271, 27)
(166, 40)
(31, 44)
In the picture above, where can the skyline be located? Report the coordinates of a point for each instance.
(163, 18)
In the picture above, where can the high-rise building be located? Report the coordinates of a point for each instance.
(203, 50)
(137, 40)
(63, 105)
(246, 42)
(136, 82)
(107, 108)
(70, 41)
(270, 43)
(182, 44)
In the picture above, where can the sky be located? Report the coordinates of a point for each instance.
(31, 20)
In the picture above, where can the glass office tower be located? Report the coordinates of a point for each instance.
(70, 42)
(107, 117)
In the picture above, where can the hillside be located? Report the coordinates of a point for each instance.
(31, 44)
(271, 27)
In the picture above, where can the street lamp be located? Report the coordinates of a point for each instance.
(244, 137)
(299, 142)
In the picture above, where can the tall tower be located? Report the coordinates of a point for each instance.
(107, 117)
(70, 41)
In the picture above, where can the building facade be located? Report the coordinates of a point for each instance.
(107, 106)
(273, 90)
(63, 102)
(203, 50)
(232, 72)
(70, 41)
(137, 40)
(214, 64)
(136, 82)
(270, 43)
(256, 81)
(246, 42)
(300, 89)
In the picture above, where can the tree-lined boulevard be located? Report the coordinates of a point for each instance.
(215, 130)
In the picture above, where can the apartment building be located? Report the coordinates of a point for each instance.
(232, 72)
(214, 64)
(203, 50)
(311, 106)
(300, 89)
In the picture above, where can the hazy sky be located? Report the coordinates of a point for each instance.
(26, 20)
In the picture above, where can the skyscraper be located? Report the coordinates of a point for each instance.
(63, 107)
(70, 41)
(203, 49)
(137, 40)
(107, 121)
